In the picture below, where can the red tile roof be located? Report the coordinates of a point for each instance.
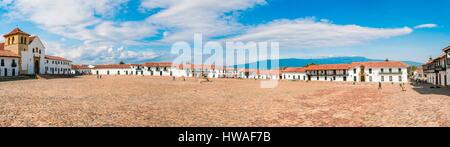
(16, 31)
(291, 69)
(447, 48)
(56, 58)
(158, 64)
(380, 64)
(114, 66)
(199, 66)
(328, 67)
(31, 39)
(7, 53)
(74, 66)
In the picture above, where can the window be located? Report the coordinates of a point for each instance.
(354, 78)
(390, 78)
(399, 70)
(370, 78)
(382, 78)
(354, 71)
(370, 70)
(382, 70)
(400, 78)
(3, 62)
(390, 70)
(13, 64)
(325, 78)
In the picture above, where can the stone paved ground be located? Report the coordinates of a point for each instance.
(156, 101)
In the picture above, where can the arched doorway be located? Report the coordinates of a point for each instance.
(36, 66)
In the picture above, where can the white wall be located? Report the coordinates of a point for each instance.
(448, 76)
(9, 69)
(28, 57)
(57, 67)
(116, 71)
(294, 76)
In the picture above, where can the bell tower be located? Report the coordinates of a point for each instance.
(16, 41)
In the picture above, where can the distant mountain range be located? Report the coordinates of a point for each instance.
(293, 62)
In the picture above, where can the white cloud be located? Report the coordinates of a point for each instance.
(80, 19)
(87, 54)
(430, 25)
(87, 21)
(309, 33)
(183, 18)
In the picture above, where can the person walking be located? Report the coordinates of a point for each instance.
(379, 85)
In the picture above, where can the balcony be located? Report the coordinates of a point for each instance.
(327, 74)
(438, 68)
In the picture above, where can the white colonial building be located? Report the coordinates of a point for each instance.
(437, 71)
(57, 65)
(328, 72)
(387, 71)
(8, 63)
(447, 64)
(81, 69)
(298, 74)
(28, 54)
(117, 69)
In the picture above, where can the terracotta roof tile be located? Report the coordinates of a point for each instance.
(7, 53)
(328, 67)
(56, 58)
(16, 31)
(158, 64)
(291, 69)
(447, 48)
(380, 64)
(31, 39)
(75, 66)
(114, 66)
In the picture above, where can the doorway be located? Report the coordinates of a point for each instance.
(36, 66)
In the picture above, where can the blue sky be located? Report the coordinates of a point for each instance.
(108, 31)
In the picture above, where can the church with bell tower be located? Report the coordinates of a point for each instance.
(31, 54)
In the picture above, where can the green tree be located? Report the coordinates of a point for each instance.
(121, 62)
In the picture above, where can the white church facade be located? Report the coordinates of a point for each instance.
(23, 54)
